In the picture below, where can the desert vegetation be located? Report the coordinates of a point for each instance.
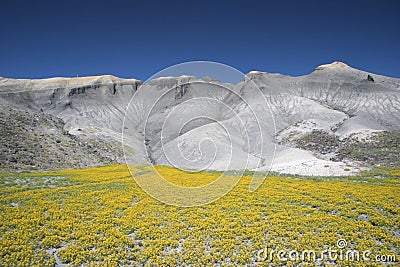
(38, 141)
(381, 148)
(375, 149)
(100, 217)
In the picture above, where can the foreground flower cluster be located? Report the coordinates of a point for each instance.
(101, 217)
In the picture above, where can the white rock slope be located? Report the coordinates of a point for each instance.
(210, 125)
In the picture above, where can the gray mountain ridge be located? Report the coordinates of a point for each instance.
(308, 125)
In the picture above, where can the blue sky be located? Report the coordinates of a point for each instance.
(139, 38)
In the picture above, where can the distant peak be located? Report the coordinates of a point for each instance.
(333, 65)
(255, 72)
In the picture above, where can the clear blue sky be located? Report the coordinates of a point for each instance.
(139, 38)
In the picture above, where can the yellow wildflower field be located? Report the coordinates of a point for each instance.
(101, 217)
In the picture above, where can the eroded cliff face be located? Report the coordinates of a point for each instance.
(67, 98)
(340, 88)
(307, 121)
(335, 112)
(89, 112)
